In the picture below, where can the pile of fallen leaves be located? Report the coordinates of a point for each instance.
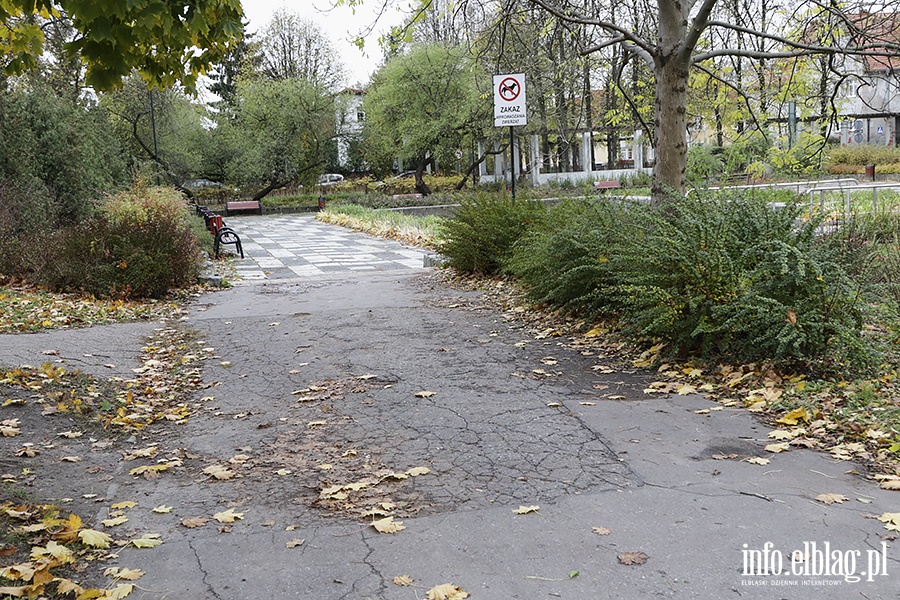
(25, 307)
(49, 549)
(169, 372)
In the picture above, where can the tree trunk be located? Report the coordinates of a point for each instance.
(421, 186)
(671, 129)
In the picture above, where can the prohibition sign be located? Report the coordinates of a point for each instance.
(509, 89)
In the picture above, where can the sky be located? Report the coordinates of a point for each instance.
(340, 24)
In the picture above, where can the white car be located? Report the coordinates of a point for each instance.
(331, 179)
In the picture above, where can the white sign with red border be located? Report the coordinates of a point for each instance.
(509, 100)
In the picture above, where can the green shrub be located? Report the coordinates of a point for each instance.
(140, 245)
(863, 154)
(730, 275)
(870, 245)
(565, 261)
(480, 236)
(704, 164)
(802, 158)
(749, 149)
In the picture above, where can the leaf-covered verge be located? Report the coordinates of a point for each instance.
(27, 308)
(851, 418)
(47, 551)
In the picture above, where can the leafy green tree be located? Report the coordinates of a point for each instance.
(279, 135)
(167, 41)
(420, 107)
(180, 135)
(62, 153)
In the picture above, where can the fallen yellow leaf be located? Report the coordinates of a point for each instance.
(778, 447)
(831, 498)
(524, 510)
(94, 539)
(219, 472)
(123, 505)
(127, 574)
(446, 591)
(794, 416)
(148, 540)
(114, 521)
(425, 394)
(162, 509)
(228, 516)
(403, 580)
(118, 592)
(388, 525)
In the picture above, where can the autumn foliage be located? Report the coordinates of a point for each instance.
(140, 244)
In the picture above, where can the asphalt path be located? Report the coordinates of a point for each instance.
(331, 390)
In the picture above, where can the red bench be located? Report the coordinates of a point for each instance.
(612, 184)
(243, 205)
(221, 233)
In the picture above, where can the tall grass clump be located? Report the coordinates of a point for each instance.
(480, 236)
(731, 275)
(569, 260)
(140, 244)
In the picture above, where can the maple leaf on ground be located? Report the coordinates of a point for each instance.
(794, 416)
(118, 592)
(124, 504)
(219, 472)
(114, 521)
(425, 394)
(632, 558)
(388, 525)
(126, 574)
(889, 482)
(831, 498)
(891, 521)
(57, 551)
(758, 460)
(417, 471)
(778, 447)
(94, 539)
(446, 591)
(193, 522)
(524, 510)
(601, 530)
(228, 516)
(403, 580)
(148, 540)
(294, 543)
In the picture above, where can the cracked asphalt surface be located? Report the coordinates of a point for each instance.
(320, 382)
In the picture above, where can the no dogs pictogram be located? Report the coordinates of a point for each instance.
(510, 108)
(509, 89)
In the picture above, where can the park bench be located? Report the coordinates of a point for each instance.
(611, 184)
(242, 206)
(221, 233)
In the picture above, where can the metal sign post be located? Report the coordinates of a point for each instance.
(510, 110)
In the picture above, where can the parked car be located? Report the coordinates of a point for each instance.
(330, 179)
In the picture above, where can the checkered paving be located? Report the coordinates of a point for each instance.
(292, 246)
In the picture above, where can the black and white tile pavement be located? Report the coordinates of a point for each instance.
(292, 246)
